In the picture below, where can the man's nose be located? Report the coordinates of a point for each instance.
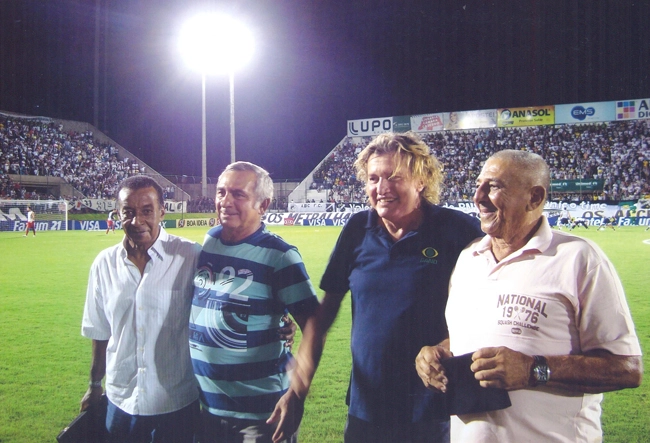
(225, 199)
(479, 193)
(382, 185)
(137, 219)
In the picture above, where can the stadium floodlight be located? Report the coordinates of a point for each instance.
(215, 44)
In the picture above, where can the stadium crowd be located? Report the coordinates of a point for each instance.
(615, 152)
(201, 204)
(39, 147)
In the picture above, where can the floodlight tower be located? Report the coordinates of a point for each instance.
(215, 44)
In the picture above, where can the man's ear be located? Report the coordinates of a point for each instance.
(264, 205)
(537, 197)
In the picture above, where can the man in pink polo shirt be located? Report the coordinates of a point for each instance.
(542, 313)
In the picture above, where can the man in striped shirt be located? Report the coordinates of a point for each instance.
(246, 281)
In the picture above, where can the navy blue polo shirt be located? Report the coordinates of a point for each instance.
(399, 294)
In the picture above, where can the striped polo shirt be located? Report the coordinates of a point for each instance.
(241, 292)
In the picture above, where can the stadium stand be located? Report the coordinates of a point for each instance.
(40, 147)
(616, 152)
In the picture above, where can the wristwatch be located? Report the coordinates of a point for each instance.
(540, 372)
(95, 384)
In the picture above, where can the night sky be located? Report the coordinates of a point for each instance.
(316, 65)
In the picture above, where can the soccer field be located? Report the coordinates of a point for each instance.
(44, 361)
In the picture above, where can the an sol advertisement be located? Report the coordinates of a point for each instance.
(533, 116)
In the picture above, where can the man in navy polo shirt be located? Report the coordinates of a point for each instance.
(396, 259)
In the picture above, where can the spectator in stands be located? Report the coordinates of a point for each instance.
(396, 260)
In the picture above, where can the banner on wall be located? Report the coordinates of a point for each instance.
(197, 222)
(96, 204)
(402, 123)
(576, 185)
(351, 207)
(175, 207)
(533, 116)
(427, 122)
(486, 118)
(311, 207)
(505, 117)
(633, 109)
(306, 218)
(369, 126)
(103, 205)
(585, 112)
(40, 225)
(92, 225)
(589, 211)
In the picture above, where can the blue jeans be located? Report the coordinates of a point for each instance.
(173, 427)
(424, 431)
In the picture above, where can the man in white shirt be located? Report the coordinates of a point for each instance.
(136, 313)
(542, 313)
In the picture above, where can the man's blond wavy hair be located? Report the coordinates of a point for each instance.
(412, 155)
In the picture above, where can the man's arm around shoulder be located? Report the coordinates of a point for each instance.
(289, 409)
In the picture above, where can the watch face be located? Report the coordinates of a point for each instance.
(540, 373)
(540, 370)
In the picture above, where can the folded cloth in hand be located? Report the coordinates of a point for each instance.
(465, 394)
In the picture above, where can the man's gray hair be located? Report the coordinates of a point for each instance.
(529, 164)
(263, 182)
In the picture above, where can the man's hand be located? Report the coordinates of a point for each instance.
(288, 415)
(429, 368)
(91, 397)
(502, 368)
(288, 331)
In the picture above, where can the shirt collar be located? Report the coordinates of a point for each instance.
(426, 207)
(539, 242)
(156, 250)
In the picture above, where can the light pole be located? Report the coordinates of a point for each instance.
(215, 44)
(231, 77)
(204, 138)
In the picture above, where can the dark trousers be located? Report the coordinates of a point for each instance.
(174, 427)
(217, 429)
(424, 431)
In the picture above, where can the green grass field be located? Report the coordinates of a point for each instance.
(44, 361)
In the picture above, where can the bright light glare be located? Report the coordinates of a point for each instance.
(215, 44)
